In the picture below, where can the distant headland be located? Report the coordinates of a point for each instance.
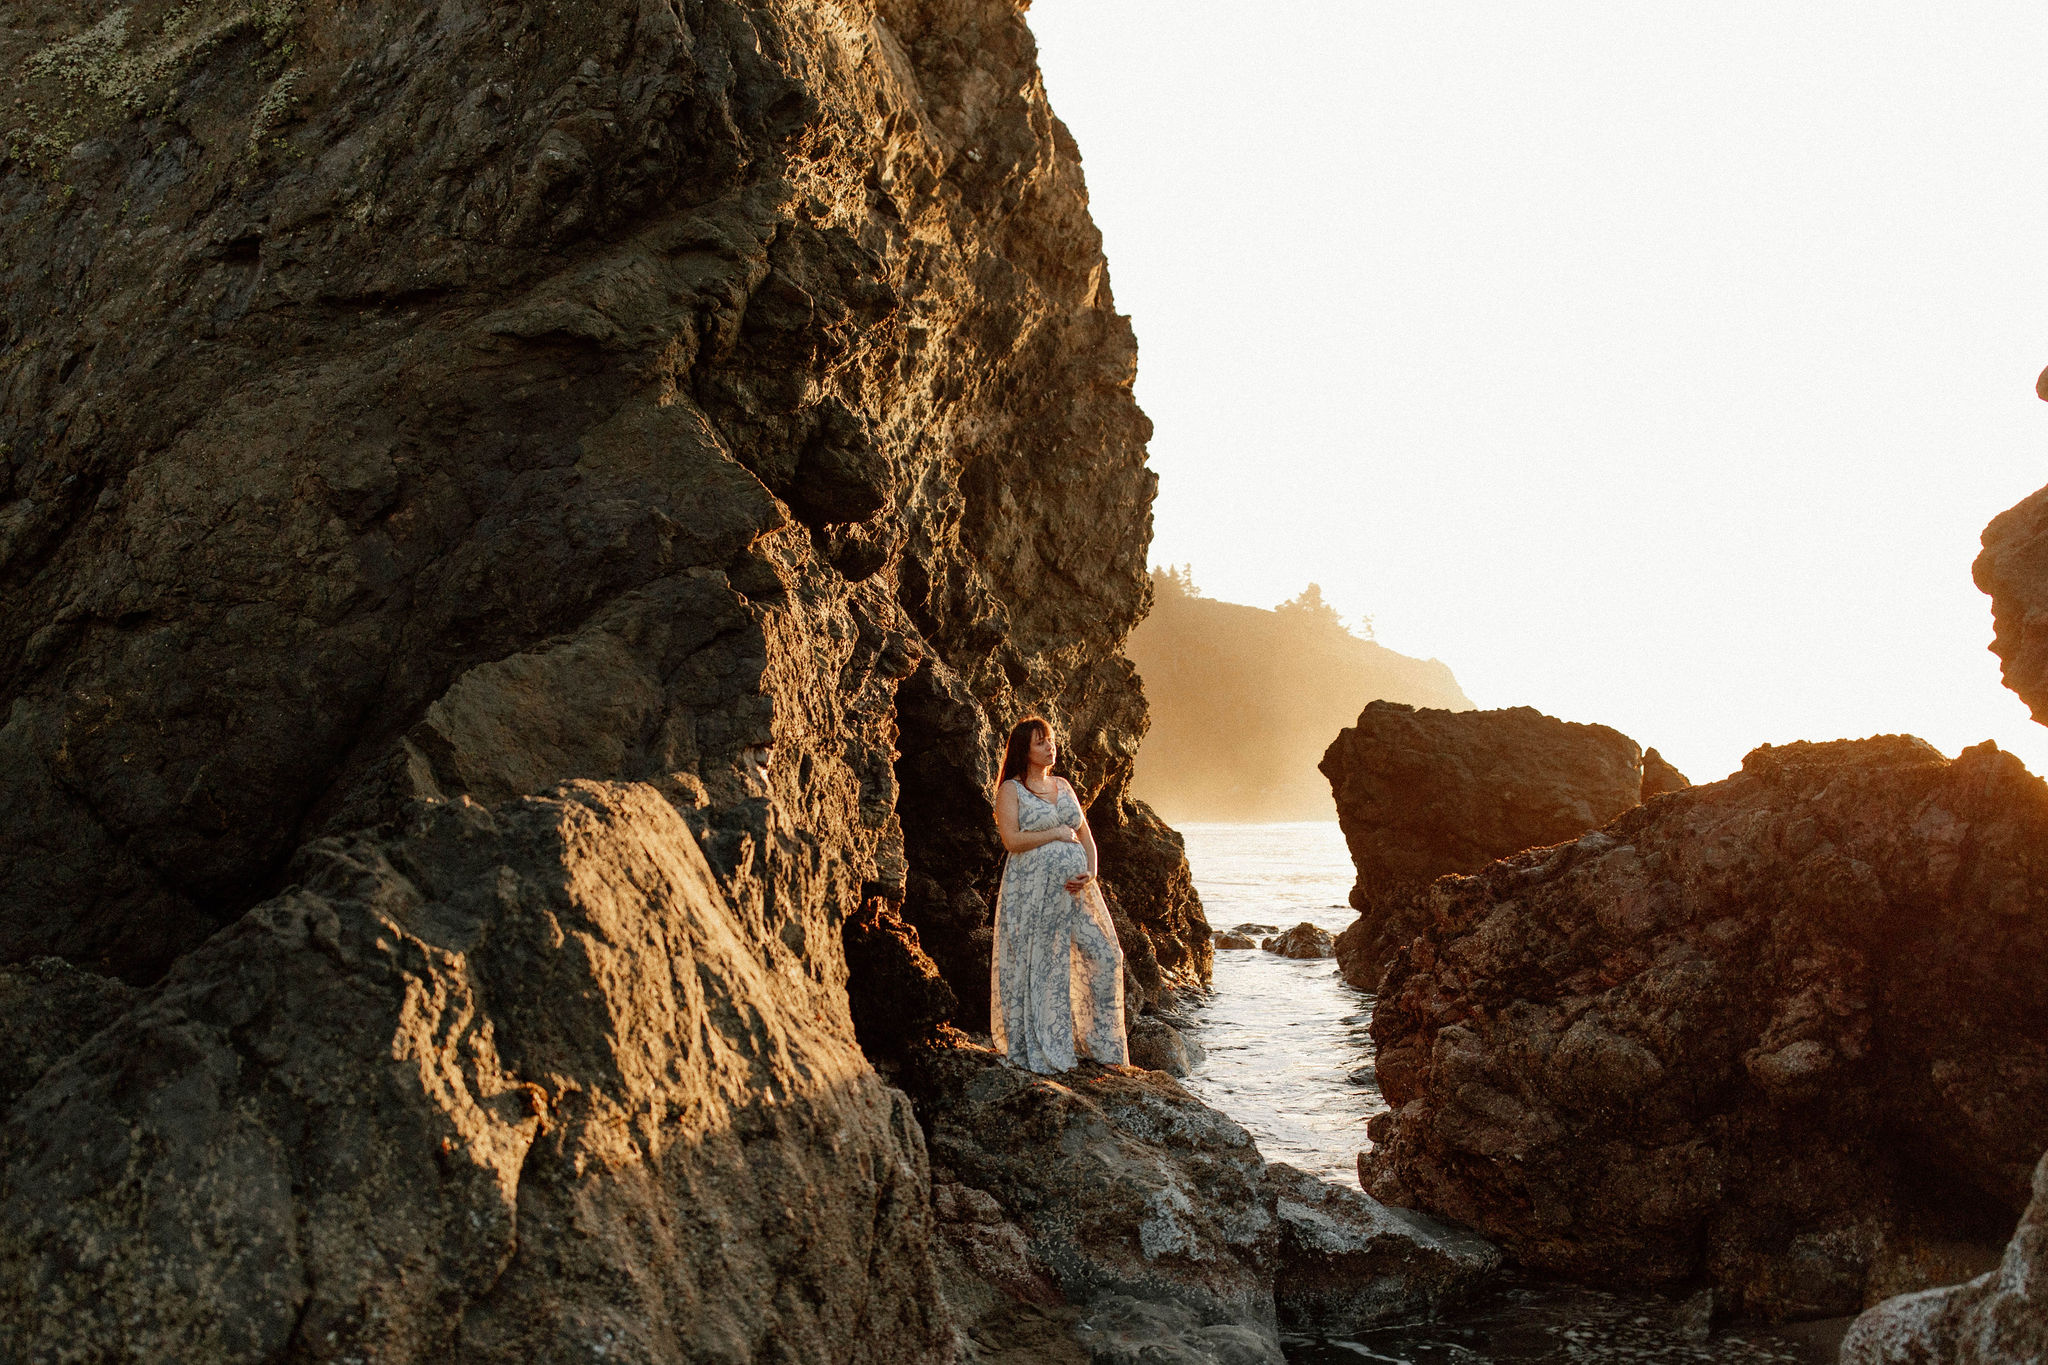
(1244, 700)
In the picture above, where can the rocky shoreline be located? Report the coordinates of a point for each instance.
(522, 531)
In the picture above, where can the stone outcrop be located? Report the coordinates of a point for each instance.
(1999, 1318)
(1151, 895)
(1660, 777)
(488, 1088)
(1304, 940)
(1783, 1031)
(1121, 1182)
(1422, 793)
(1348, 1262)
(2013, 569)
(1156, 1216)
(1226, 939)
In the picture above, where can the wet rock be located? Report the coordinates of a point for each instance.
(544, 1034)
(1348, 1262)
(1159, 1046)
(1227, 939)
(1782, 1031)
(1119, 1330)
(1255, 929)
(1997, 1318)
(1123, 1184)
(1304, 940)
(1660, 777)
(2013, 569)
(1421, 793)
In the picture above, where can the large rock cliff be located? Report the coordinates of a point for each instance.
(716, 406)
(1783, 1031)
(449, 400)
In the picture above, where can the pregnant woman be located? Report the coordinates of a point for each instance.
(1057, 986)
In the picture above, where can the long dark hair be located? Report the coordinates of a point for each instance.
(1017, 753)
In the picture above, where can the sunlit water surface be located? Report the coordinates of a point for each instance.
(1290, 1058)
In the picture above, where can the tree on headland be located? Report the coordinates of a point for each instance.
(1309, 608)
(1174, 580)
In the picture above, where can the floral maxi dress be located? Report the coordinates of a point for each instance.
(1057, 984)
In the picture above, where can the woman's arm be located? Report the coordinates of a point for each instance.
(1087, 837)
(1019, 840)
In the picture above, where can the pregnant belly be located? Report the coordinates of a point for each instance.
(1065, 859)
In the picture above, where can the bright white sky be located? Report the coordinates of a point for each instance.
(1649, 363)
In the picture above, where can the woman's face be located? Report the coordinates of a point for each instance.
(1045, 750)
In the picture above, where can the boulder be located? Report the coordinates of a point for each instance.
(2013, 569)
(1422, 793)
(485, 1087)
(1348, 1262)
(1158, 1046)
(1121, 1182)
(1304, 940)
(1227, 939)
(1999, 1318)
(1249, 928)
(1119, 1330)
(1784, 1032)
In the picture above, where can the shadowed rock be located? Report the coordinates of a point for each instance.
(48, 1009)
(1782, 1031)
(1999, 1318)
(897, 996)
(1159, 1046)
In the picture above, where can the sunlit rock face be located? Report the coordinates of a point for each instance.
(1421, 793)
(1783, 1031)
(516, 1083)
(1996, 1319)
(437, 401)
(2013, 568)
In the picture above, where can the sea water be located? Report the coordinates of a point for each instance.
(1289, 1055)
(1290, 1058)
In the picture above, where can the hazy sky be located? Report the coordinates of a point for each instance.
(1653, 364)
